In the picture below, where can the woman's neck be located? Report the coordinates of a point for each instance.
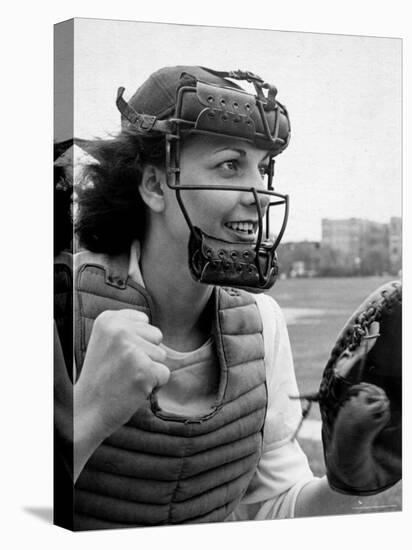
(182, 306)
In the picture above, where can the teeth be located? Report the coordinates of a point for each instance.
(246, 227)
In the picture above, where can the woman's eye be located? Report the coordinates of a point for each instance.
(233, 167)
(229, 166)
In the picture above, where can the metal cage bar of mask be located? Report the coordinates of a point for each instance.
(231, 112)
(173, 172)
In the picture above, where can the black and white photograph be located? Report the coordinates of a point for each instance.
(205, 252)
(234, 313)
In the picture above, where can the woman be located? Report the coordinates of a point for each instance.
(181, 404)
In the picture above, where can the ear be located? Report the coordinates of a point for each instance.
(151, 188)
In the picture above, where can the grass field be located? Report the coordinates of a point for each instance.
(316, 310)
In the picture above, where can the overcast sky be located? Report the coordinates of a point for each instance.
(343, 94)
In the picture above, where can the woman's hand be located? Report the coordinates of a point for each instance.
(124, 363)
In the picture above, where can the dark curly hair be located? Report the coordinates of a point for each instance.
(62, 200)
(110, 211)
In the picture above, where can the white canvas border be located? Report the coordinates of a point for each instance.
(26, 408)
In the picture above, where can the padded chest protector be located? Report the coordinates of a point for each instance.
(63, 305)
(161, 468)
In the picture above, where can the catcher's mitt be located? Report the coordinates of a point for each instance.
(360, 397)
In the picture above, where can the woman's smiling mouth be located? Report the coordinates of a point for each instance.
(244, 229)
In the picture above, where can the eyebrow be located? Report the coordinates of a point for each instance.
(229, 148)
(241, 152)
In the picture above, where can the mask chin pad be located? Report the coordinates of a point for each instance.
(217, 262)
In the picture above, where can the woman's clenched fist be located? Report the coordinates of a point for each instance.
(124, 363)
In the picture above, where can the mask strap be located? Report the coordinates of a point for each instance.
(144, 123)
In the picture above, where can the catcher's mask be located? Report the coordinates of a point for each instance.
(180, 101)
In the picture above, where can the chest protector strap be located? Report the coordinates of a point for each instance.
(159, 468)
(63, 305)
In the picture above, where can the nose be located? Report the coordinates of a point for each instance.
(248, 198)
(264, 201)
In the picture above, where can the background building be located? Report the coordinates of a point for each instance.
(348, 247)
(367, 247)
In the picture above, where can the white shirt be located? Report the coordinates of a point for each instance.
(194, 380)
(283, 468)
